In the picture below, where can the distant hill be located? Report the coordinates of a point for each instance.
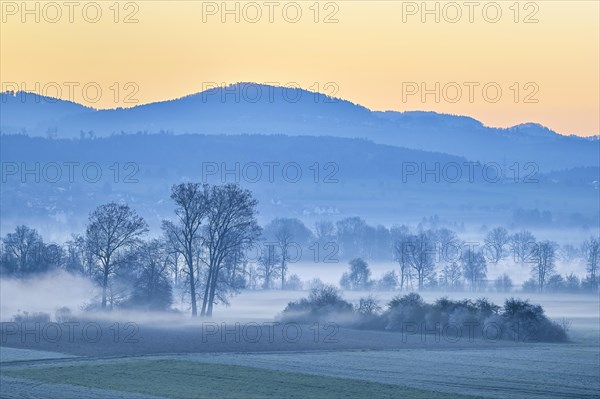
(248, 108)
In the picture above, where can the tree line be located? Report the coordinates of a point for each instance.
(439, 259)
(213, 247)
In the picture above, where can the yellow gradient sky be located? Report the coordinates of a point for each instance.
(373, 53)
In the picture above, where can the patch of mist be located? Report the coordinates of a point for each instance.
(46, 293)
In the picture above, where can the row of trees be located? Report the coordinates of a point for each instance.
(416, 264)
(419, 254)
(425, 261)
(213, 247)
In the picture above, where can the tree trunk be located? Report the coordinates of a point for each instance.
(104, 285)
(282, 275)
(193, 293)
(206, 292)
(213, 288)
(190, 262)
(402, 278)
(105, 281)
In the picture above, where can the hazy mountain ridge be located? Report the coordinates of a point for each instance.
(248, 108)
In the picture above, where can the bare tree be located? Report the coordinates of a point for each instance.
(324, 231)
(451, 276)
(25, 246)
(267, 264)
(284, 238)
(503, 283)
(368, 306)
(289, 234)
(474, 267)
(359, 276)
(252, 277)
(496, 240)
(230, 226)
(523, 246)
(112, 228)
(80, 257)
(400, 236)
(419, 252)
(545, 257)
(185, 235)
(152, 289)
(591, 252)
(351, 237)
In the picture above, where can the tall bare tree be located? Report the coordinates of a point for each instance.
(400, 236)
(291, 235)
(27, 249)
(523, 246)
(75, 248)
(359, 276)
(544, 255)
(324, 231)
(591, 253)
(267, 264)
(112, 228)
(191, 200)
(451, 276)
(474, 267)
(496, 240)
(230, 225)
(152, 287)
(284, 238)
(419, 252)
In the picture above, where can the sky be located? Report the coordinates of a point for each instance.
(503, 62)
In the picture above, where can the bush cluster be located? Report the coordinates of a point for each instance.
(517, 320)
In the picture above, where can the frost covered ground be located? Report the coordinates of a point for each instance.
(534, 371)
(8, 355)
(44, 369)
(523, 371)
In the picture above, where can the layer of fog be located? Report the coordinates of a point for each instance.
(51, 292)
(44, 293)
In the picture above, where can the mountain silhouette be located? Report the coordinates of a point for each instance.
(250, 108)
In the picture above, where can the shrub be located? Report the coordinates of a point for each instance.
(293, 283)
(388, 282)
(517, 320)
(523, 321)
(530, 285)
(358, 278)
(368, 314)
(63, 315)
(35, 317)
(315, 283)
(368, 306)
(323, 302)
(407, 309)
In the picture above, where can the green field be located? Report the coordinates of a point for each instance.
(191, 379)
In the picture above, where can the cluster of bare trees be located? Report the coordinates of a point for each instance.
(438, 258)
(212, 225)
(418, 255)
(543, 256)
(212, 228)
(25, 252)
(219, 223)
